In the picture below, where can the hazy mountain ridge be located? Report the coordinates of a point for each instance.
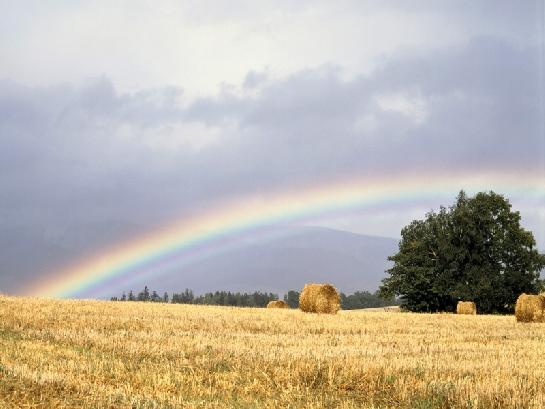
(298, 255)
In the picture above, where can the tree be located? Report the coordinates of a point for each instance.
(165, 297)
(144, 295)
(292, 299)
(476, 250)
(155, 297)
(131, 296)
(415, 274)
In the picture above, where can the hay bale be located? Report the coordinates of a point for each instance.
(320, 298)
(530, 308)
(277, 304)
(466, 307)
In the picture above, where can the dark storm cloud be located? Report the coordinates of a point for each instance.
(78, 156)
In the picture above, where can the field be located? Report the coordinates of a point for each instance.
(143, 355)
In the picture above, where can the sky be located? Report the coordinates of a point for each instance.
(117, 117)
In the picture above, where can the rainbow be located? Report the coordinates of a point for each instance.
(194, 237)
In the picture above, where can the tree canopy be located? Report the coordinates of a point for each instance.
(476, 250)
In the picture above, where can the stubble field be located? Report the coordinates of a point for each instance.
(144, 355)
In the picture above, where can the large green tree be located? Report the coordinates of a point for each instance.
(475, 250)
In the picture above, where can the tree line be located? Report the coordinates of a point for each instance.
(357, 300)
(227, 298)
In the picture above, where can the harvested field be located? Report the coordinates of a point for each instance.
(389, 308)
(146, 355)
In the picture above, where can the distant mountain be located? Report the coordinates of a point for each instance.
(293, 257)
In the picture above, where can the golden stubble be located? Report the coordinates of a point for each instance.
(128, 354)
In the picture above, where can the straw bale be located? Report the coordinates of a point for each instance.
(466, 307)
(530, 308)
(319, 298)
(277, 304)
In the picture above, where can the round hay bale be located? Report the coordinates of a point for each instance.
(319, 298)
(530, 308)
(277, 304)
(466, 307)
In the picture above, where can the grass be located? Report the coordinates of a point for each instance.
(142, 355)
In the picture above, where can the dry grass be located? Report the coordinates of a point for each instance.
(136, 355)
(319, 298)
(466, 307)
(388, 308)
(277, 304)
(530, 308)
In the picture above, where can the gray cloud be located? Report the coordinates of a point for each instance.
(203, 44)
(477, 101)
(75, 157)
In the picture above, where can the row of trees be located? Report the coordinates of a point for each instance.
(475, 250)
(144, 295)
(366, 299)
(360, 299)
(228, 298)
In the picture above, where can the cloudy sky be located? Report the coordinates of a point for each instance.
(119, 116)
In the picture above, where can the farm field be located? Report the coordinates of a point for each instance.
(68, 353)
